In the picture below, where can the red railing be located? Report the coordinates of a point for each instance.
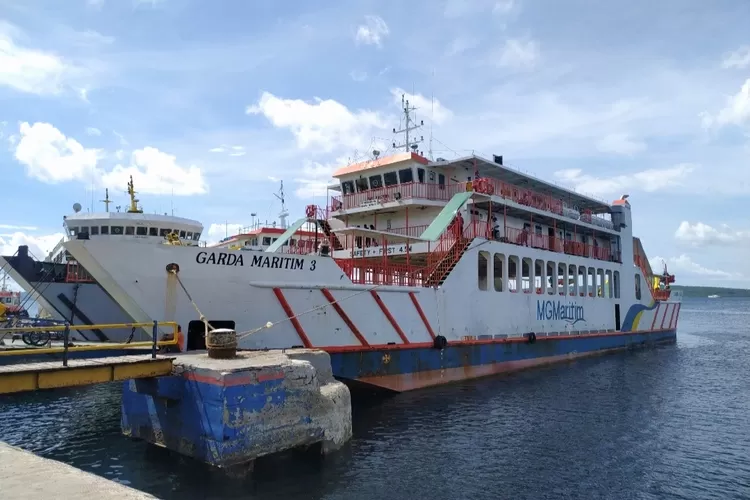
(379, 272)
(77, 274)
(552, 243)
(437, 192)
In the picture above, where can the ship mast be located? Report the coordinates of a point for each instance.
(106, 200)
(409, 144)
(283, 214)
(134, 209)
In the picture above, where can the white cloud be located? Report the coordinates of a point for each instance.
(425, 106)
(156, 172)
(621, 144)
(217, 232)
(518, 54)
(646, 180)
(372, 32)
(315, 177)
(238, 153)
(39, 246)
(93, 131)
(17, 227)
(735, 112)
(28, 70)
(51, 157)
(684, 264)
(219, 149)
(703, 234)
(738, 59)
(358, 76)
(324, 124)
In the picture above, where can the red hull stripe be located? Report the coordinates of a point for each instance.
(328, 295)
(664, 318)
(295, 322)
(390, 317)
(656, 315)
(421, 314)
(451, 343)
(672, 320)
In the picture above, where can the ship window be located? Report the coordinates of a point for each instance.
(616, 283)
(196, 236)
(141, 231)
(526, 275)
(405, 175)
(582, 281)
(390, 178)
(637, 287)
(551, 278)
(420, 175)
(163, 232)
(266, 240)
(105, 229)
(116, 229)
(600, 283)
(292, 242)
(83, 230)
(189, 235)
(592, 282)
(73, 231)
(94, 229)
(152, 231)
(562, 279)
(441, 181)
(498, 272)
(129, 230)
(539, 276)
(512, 273)
(182, 234)
(484, 258)
(376, 181)
(347, 187)
(361, 184)
(572, 283)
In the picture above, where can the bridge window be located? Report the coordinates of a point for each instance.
(347, 187)
(129, 230)
(405, 175)
(163, 232)
(637, 287)
(94, 229)
(266, 240)
(420, 175)
(361, 184)
(189, 235)
(390, 178)
(83, 230)
(105, 229)
(73, 231)
(117, 229)
(141, 231)
(152, 231)
(182, 234)
(483, 263)
(498, 271)
(196, 236)
(376, 181)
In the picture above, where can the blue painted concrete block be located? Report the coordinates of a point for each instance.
(230, 412)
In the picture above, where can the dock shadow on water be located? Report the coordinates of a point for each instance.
(670, 422)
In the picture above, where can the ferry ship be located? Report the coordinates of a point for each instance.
(64, 289)
(429, 272)
(11, 305)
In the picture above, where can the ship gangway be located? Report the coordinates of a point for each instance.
(84, 364)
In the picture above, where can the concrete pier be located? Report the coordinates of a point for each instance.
(24, 475)
(227, 412)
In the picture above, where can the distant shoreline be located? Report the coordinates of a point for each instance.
(705, 291)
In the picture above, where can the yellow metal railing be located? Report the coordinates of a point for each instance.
(66, 348)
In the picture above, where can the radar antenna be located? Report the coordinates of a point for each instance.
(106, 200)
(283, 214)
(134, 208)
(409, 144)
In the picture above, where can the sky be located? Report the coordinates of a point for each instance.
(210, 105)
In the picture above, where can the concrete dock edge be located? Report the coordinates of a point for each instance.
(25, 476)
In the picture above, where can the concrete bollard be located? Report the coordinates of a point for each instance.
(221, 343)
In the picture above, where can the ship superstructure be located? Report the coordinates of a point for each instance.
(428, 271)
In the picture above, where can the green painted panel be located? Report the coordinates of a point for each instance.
(446, 215)
(285, 237)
